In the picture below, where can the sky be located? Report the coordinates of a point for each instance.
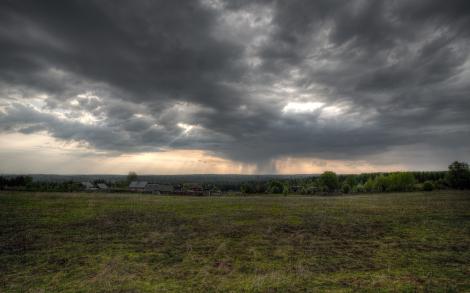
(233, 86)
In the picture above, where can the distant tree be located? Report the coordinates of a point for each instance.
(96, 181)
(310, 188)
(369, 185)
(329, 181)
(246, 188)
(459, 175)
(285, 189)
(260, 187)
(132, 176)
(401, 181)
(18, 181)
(428, 186)
(351, 180)
(275, 187)
(359, 188)
(345, 188)
(381, 183)
(441, 183)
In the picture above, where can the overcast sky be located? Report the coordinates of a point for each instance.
(235, 86)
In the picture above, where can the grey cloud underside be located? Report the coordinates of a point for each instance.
(399, 71)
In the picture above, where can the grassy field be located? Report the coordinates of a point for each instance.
(143, 243)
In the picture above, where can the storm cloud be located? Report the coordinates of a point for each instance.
(248, 81)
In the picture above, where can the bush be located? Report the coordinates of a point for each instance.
(359, 188)
(310, 189)
(245, 188)
(428, 186)
(441, 184)
(346, 188)
(285, 189)
(275, 187)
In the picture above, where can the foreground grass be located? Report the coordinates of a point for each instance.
(142, 243)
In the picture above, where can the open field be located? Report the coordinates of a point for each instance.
(143, 243)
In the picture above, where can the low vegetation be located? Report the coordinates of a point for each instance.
(85, 242)
(328, 183)
(458, 177)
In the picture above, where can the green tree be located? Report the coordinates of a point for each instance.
(345, 188)
(310, 188)
(132, 176)
(285, 189)
(381, 183)
(275, 187)
(401, 181)
(351, 180)
(246, 188)
(358, 188)
(329, 181)
(459, 175)
(428, 186)
(369, 185)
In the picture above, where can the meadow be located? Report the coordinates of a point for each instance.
(85, 242)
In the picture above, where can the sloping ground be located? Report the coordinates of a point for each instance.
(132, 243)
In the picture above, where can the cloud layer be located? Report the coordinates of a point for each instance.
(247, 81)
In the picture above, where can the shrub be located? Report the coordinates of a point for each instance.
(345, 188)
(275, 187)
(428, 186)
(310, 189)
(359, 188)
(285, 189)
(245, 188)
(441, 184)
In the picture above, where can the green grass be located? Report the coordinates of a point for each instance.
(53, 242)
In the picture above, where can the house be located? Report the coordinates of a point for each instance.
(88, 185)
(159, 188)
(102, 186)
(138, 186)
(193, 189)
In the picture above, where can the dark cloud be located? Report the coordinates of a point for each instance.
(136, 76)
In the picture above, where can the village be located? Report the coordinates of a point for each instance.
(154, 188)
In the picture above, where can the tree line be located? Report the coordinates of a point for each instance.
(457, 177)
(27, 183)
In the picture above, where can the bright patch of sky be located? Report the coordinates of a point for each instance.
(298, 107)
